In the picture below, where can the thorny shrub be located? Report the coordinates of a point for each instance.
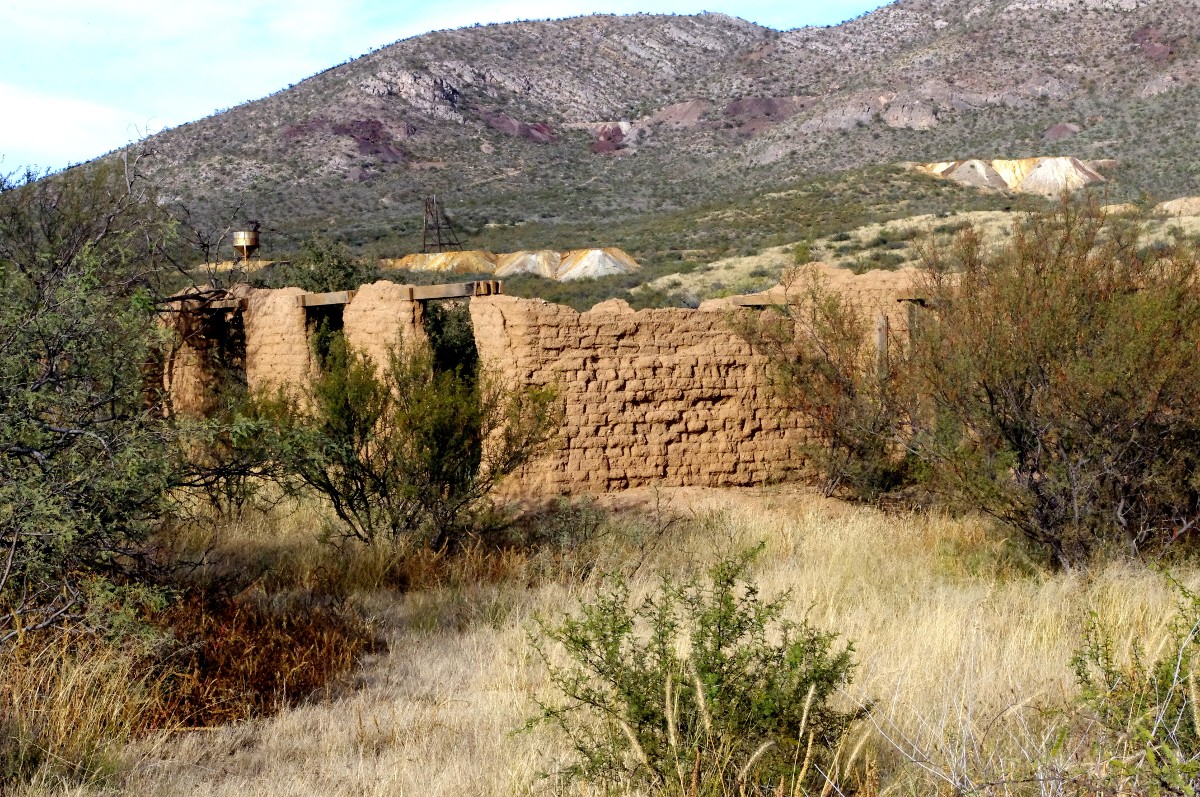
(1144, 709)
(411, 453)
(1062, 385)
(700, 689)
(826, 368)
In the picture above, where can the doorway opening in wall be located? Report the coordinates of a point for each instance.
(325, 325)
(218, 336)
(451, 336)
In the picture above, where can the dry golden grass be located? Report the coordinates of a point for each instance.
(963, 646)
(66, 709)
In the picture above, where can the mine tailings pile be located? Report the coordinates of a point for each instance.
(1047, 176)
(562, 266)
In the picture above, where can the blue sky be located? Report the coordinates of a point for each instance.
(81, 77)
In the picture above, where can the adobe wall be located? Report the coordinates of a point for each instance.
(277, 350)
(380, 317)
(668, 397)
(278, 353)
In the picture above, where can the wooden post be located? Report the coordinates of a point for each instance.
(881, 346)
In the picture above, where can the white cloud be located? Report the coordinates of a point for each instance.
(51, 132)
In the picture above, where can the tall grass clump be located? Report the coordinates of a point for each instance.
(68, 705)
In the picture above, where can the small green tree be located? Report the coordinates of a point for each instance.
(700, 689)
(412, 453)
(1063, 385)
(322, 266)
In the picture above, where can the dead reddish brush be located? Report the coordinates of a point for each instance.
(238, 657)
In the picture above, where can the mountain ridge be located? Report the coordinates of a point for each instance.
(602, 117)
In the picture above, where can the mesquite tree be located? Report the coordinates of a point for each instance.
(82, 468)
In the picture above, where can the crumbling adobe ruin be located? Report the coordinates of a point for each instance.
(664, 396)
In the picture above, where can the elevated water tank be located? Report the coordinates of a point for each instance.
(245, 243)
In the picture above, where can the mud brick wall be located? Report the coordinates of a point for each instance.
(278, 353)
(187, 376)
(656, 397)
(379, 318)
(277, 350)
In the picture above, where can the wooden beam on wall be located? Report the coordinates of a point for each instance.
(323, 299)
(754, 301)
(457, 290)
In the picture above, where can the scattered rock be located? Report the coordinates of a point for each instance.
(1149, 40)
(1160, 84)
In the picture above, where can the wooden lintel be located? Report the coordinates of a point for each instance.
(451, 291)
(227, 304)
(323, 299)
(754, 301)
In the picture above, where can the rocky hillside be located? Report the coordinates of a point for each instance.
(604, 118)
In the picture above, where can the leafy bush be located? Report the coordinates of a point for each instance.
(321, 266)
(1063, 385)
(412, 453)
(83, 464)
(826, 368)
(700, 689)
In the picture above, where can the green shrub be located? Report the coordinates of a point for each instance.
(802, 253)
(83, 464)
(1062, 383)
(414, 452)
(321, 266)
(699, 689)
(1144, 710)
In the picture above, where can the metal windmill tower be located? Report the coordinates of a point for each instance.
(437, 234)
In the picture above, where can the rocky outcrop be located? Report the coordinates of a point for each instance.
(537, 132)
